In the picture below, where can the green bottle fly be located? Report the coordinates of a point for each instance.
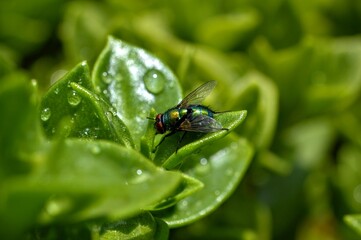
(189, 115)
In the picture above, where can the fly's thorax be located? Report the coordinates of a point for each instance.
(172, 116)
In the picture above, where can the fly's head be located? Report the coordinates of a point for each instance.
(159, 125)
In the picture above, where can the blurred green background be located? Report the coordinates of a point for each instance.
(295, 65)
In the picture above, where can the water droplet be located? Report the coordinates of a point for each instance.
(86, 132)
(45, 114)
(219, 198)
(141, 176)
(73, 98)
(109, 115)
(203, 161)
(106, 78)
(113, 111)
(154, 81)
(183, 204)
(56, 91)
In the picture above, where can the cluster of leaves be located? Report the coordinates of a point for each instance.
(293, 64)
(99, 164)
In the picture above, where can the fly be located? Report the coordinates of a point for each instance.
(189, 115)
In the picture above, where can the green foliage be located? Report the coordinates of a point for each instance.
(354, 222)
(91, 167)
(76, 158)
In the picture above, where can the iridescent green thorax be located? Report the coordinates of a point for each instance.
(172, 116)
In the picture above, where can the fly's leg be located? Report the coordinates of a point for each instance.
(178, 124)
(167, 135)
(179, 141)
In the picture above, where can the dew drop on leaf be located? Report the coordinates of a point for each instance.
(154, 81)
(45, 114)
(106, 78)
(203, 161)
(113, 111)
(85, 132)
(139, 172)
(203, 167)
(140, 176)
(73, 98)
(183, 204)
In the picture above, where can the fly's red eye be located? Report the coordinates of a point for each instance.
(159, 126)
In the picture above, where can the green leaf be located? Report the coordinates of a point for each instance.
(337, 84)
(330, 80)
(257, 92)
(36, 20)
(347, 176)
(95, 179)
(227, 31)
(91, 117)
(353, 221)
(146, 143)
(134, 82)
(168, 158)
(142, 226)
(84, 30)
(20, 131)
(188, 186)
(315, 135)
(20, 145)
(119, 132)
(162, 232)
(53, 232)
(220, 168)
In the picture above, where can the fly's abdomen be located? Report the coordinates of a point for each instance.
(201, 110)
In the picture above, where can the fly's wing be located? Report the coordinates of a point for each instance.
(200, 123)
(197, 96)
